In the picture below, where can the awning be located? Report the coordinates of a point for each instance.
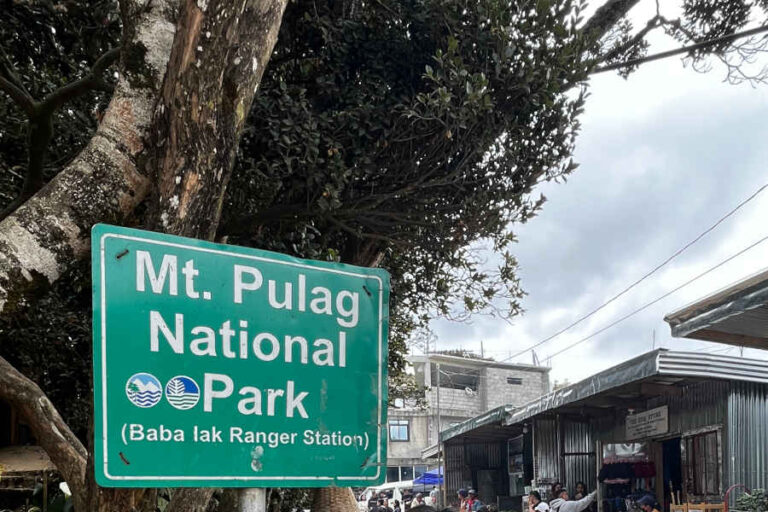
(434, 477)
(22, 466)
(736, 315)
(627, 385)
(493, 417)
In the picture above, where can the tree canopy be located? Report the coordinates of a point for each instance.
(400, 133)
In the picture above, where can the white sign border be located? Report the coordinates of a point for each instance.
(102, 246)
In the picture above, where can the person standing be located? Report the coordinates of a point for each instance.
(474, 502)
(397, 506)
(535, 504)
(561, 503)
(463, 498)
(581, 491)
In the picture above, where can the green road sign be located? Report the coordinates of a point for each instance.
(225, 366)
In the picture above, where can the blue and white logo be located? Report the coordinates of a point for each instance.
(144, 390)
(182, 392)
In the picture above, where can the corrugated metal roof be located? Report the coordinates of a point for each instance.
(494, 416)
(659, 366)
(694, 364)
(737, 315)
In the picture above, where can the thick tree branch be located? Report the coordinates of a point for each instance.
(11, 85)
(606, 17)
(215, 68)
(50, 430)
(635, 40)
(40, 121)
(42, 239)
(20, 97)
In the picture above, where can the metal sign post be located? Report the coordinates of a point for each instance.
(253, 500)
(226, 366)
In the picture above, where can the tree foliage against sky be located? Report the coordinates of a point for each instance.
(400, 133)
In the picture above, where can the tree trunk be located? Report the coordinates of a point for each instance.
(39, 241)
(217, 61)
(190, 500)
(214, 64)
(334, 499)
(218, 58)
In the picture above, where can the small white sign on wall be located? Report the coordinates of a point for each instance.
(648, 424)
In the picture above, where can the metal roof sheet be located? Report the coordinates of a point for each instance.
(660, 366)
(736, 315)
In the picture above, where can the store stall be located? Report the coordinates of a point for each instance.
(664, 424)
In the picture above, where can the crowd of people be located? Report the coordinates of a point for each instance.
(468, 501)
(561, 501)
(582, 500)
(383, 503)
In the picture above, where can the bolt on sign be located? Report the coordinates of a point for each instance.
(225, 366)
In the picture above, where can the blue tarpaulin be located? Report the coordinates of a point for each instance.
(434, 477)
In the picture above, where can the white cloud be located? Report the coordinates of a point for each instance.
(663, 155)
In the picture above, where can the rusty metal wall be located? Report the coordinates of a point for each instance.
(454, 468)
(700, 405)
(748, 435)
(578, 454)
(546, 450)
(462, 460)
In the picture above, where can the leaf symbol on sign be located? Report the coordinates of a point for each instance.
(176, 387)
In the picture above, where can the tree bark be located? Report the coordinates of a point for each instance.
(190, 500)
(216, 64)
(606, 16)
(334, 499)
(53, 435)
(39, 241)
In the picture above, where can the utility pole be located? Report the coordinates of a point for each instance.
(482, 352)
(440, 470)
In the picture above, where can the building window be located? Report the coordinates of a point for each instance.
(406, 472)
(702, 467)
(398, 430)
(393, 474)
(455, 377)
(516, 381)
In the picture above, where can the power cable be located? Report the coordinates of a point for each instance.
(643, 278)
(646, 306)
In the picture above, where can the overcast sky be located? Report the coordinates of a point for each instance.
(663, 156)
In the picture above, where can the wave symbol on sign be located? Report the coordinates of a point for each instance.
(182, 392)
(143, 390)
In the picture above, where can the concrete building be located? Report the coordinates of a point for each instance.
(468, 387)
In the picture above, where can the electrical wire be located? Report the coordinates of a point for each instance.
(643, 278)
(649, 304)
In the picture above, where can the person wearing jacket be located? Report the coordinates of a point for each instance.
(561, 504)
